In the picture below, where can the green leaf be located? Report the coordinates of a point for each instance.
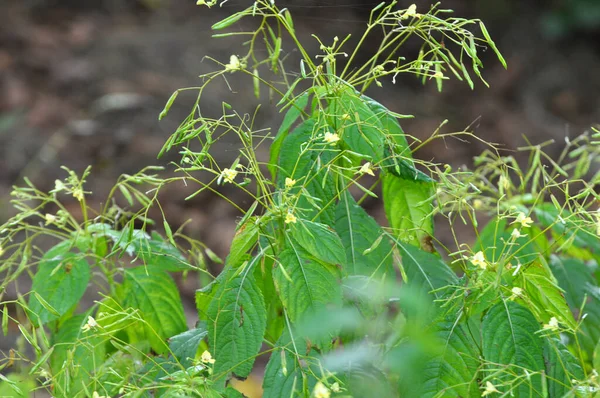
(76, 356)
(244, 240)
(299, 103)
(390, 126)
(168, 105)
(580, 287)
(305, 284)
(511, 342)
(544, 294)
(426, 271)
(491, 240)
(5, 320)
(320, 241)
(408, 207)
(304, 158)
(230, 20)
(15, 385)
(403, 168)
(236, 322)
(205, 295)
(561, 368)
(184, 346)
(285, 374)
(454, 371)
(361, 128)
(569, 226)
(359, 232)
(155, 294)
(61, 281)
(498, 246)
(156, 252)
(492, 44)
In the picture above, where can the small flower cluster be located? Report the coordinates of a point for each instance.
(321, 390)
(228, 175)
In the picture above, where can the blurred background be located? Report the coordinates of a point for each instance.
(82, 83)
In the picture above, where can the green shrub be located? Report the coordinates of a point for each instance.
(339, 304)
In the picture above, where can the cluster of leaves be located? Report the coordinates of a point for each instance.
(312, 280)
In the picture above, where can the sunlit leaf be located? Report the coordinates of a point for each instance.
(561, 368)
(455, 370)
(61, 281)
(408, 207)
(236, 323)
(311, 285)
(155, 294)
(359, 233)
(320, 241)
(511, 341)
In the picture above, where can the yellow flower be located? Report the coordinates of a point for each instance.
(289, 182)
(91, 324)
(478, 204)
(411, 11)
(78, 194)
(1, 251)
(58, 186)
(207, 358)
(515, 234)
(234, 64)
(321, 391)
(489, 389)
(438, 75)
(290, 218)
(50, 218)
(366, 169)
(552, 324)
(479, 260)
(504, 183)
(335, 387)
(228, 175)
(516, 292)
(331, 138)
(96, 395)
(524, 220)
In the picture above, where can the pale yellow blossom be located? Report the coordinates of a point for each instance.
(489, 389)
(515, 234)
(524, 220)
(552, 324)
(96, 395)
(58, 186)
(290, 218)
(50, 218)
(289, 182)
(367, 169)
(478, 204)
(411, 11)
(438, 75)
(1, 250)
(320, 391)
(479, 260)
(90, 324)
(78, 194)
(335, 387)
(504, 183)
(234, 64)
(331, 138)
(228, 175)
(206, 357)
(516, 292)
